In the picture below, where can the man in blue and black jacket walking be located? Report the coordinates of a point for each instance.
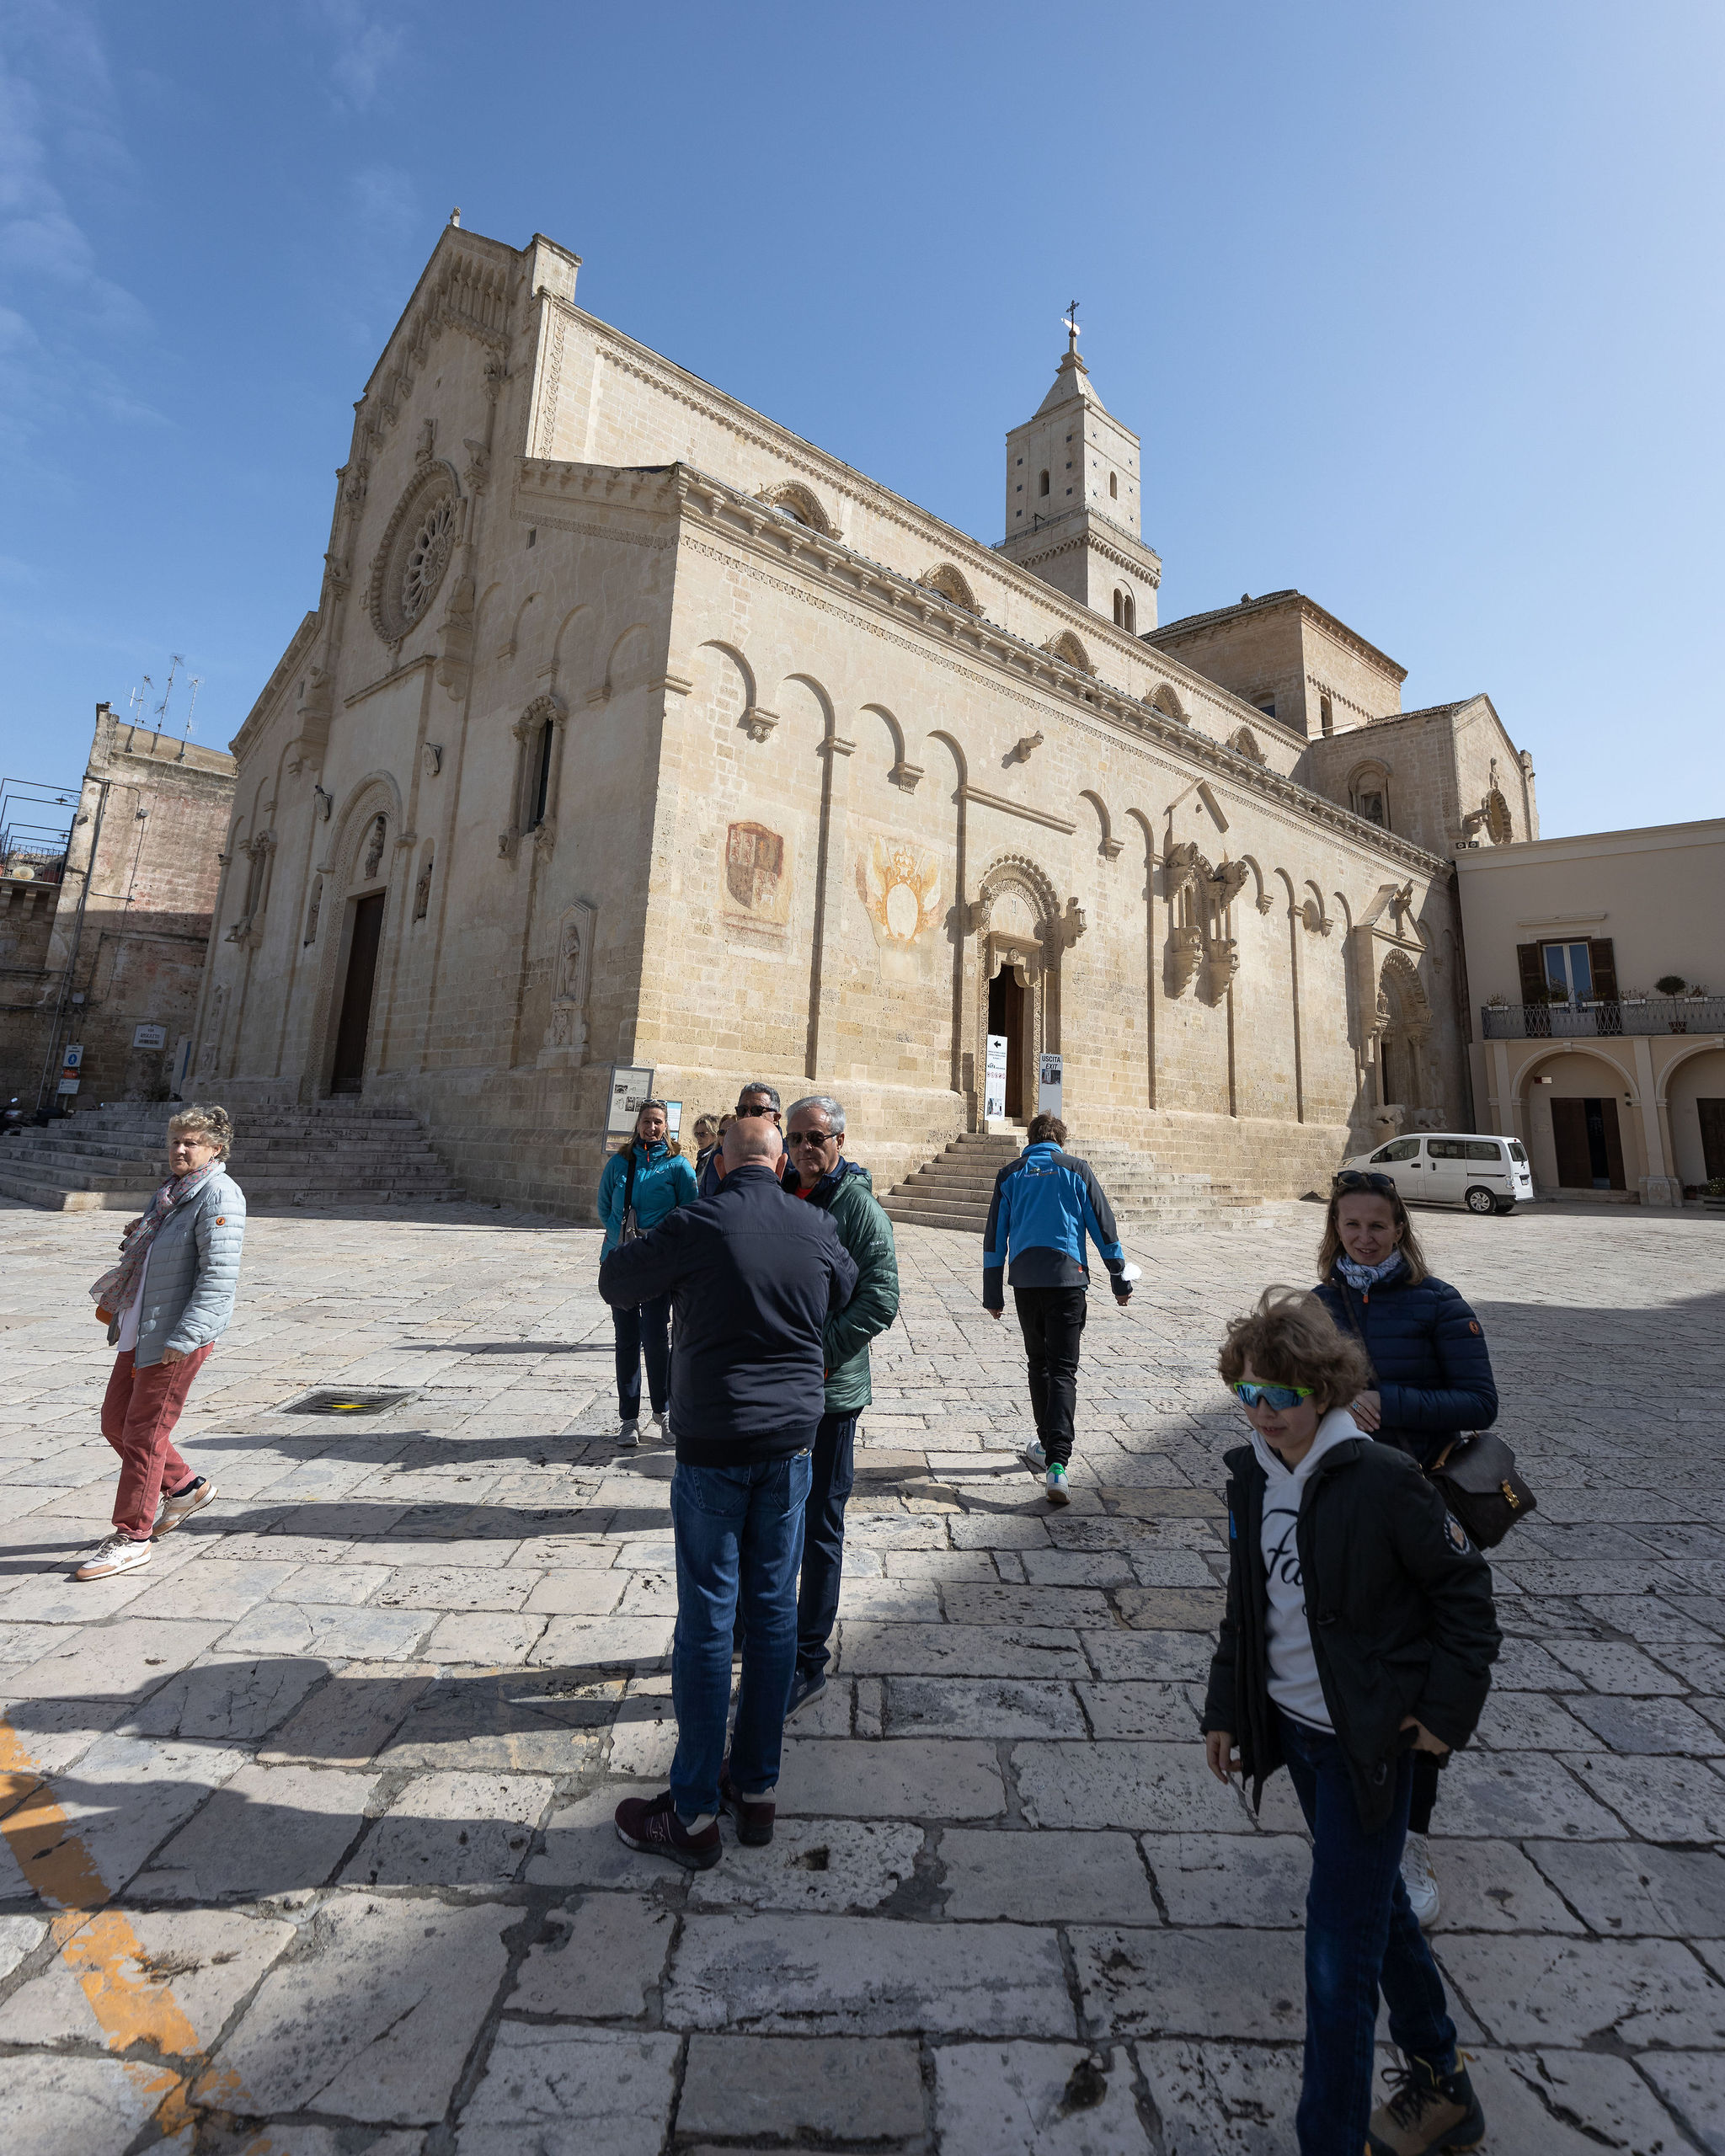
(1045, 1203)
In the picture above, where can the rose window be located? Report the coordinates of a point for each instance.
(427, 554)
(415, 554)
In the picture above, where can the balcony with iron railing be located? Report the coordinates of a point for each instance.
(1586, 1021)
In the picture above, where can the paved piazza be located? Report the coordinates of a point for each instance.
(309, 1823)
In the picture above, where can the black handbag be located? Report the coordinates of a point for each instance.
(631, 1231)
(1476, 1476)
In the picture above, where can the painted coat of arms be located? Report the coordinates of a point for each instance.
(754, 870)
(900, 887)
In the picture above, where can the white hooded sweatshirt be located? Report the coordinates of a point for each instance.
(1294, 1679)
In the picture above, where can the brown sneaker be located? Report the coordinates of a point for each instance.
(651, 1825)
(754, 1821)
(118, 1554)
(196, 1494)
(1426, 2111)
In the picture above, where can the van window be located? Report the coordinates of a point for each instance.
(1450, 1149)
(1518, 1152)
(1480, 1148)
(1404, 1148)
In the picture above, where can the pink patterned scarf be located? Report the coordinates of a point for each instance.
(117, 1288)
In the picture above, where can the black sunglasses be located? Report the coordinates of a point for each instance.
(810, 1137)
(1363, 1179)
(758, 1111)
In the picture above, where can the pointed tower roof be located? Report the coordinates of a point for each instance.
(1071, 381)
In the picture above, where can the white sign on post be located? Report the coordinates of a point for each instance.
(1048, 1087)
(994, 1086)
(73, 1058)
(631, 1088)
(149, 1036)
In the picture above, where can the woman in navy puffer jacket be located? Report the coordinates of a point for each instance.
(1434, 1382)
(650, 1178)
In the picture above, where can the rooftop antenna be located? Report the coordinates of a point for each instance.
(197, 684)
(174, 667)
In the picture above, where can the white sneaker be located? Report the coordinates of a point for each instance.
(629, 1434)
(1055, 1482)
(1033, 1457)
(1420, 1880)
(174, 1510)
(118, 1554)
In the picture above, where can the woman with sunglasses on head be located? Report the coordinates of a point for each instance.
(1431, 1380)
(1358, 1636)
(646, 1179)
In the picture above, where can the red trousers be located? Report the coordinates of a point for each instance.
(138, 1416)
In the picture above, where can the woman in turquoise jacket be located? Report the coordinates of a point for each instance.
(640, 1185)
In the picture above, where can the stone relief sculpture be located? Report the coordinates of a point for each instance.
(566, 1029)
(422, 889)
(900, 887)
(1199, 897)
(316, 907)
(374, 851)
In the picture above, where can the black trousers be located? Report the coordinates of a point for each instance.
(1052, 1320)
(645, 1332)
(834, 1463)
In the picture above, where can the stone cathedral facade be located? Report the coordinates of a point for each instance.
(630, 727)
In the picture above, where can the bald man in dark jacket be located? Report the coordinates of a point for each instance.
(753, 1278)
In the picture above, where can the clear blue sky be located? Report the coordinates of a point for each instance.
(1415, 308)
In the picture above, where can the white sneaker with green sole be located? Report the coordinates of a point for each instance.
(1055, 1482)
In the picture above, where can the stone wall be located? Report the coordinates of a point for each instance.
(155, 808)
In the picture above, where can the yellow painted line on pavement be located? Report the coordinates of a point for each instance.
(96, 1942)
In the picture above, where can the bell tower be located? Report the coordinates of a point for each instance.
(1073, 511)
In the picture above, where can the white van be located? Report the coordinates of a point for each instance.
(1487, 1175)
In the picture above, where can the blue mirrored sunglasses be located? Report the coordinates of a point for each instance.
(1280, 1397)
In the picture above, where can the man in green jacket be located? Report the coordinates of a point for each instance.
(822, 1175)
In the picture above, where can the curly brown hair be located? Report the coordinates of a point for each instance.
(1291, 1339)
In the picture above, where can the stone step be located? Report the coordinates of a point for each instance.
(113, 1158)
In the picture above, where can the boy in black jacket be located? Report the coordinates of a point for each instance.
(1358, 1629)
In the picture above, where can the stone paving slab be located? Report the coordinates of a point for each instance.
(341, 1761)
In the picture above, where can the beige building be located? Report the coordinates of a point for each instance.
(628, 727)
(102, 941)
(1603, 1049)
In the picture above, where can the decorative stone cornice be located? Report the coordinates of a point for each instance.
(679, 499)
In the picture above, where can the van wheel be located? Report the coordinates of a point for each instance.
(1481, 1200)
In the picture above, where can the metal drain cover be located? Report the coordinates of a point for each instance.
(347, 1399)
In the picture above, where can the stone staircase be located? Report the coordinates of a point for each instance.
(112, 1159)
(952, 1190)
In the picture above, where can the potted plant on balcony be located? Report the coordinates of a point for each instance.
(1673, 984)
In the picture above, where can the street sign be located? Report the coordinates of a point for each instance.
(1048, 1087)
(631, 1086)
(994, 1088)
(67, 1086)
(73, 1058)
(149, 1036)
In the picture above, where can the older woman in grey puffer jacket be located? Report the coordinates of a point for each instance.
(166, 1304)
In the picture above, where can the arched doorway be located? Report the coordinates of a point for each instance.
(353, 1028)
(1021, 933)
(361, 940)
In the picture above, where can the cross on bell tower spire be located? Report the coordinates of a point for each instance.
(1071, 319)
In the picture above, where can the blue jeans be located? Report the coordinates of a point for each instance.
(644, 1331)
(1360, 1933)
(833, 1466)
(740, 1543)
